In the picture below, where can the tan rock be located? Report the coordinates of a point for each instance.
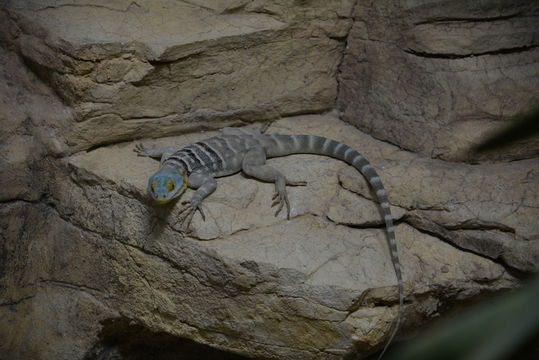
(91, 268)
(154, 68)
(30, 115)
(439, 77)
(285, 289)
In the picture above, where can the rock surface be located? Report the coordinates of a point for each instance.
(436, 77)
(30, 116)
(91, 269)
(153, 68)
(257, 285)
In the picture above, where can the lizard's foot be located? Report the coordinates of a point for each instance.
(280, 196)
(141, 150)
(189, 209)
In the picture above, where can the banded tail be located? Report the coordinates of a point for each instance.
(309, 144)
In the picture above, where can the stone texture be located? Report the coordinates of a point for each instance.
(30, 116)
(437, 77)
(260, 286)
(91, 269)
(154, 68)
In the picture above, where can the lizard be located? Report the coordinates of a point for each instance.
(196, 166)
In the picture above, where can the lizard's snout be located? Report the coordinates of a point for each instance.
(165, 185)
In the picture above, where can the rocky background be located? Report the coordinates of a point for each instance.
(90, 269)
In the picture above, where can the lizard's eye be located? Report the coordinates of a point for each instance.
(153, 186)
(170, 185)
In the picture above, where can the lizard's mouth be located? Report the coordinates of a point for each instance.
(161, 201)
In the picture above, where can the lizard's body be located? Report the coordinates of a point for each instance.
(237, 150)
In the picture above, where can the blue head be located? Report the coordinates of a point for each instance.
(167, 184)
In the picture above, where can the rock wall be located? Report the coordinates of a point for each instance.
(91, 269)
(437, 77)
(133, 69)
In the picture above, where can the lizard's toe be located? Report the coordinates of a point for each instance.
(187, 212)
(139, 149)
(281, 198)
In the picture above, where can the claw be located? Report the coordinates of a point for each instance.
(280, 198)
(279, 208)
(202, 213)
(187, 213)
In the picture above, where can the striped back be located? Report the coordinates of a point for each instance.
(196, 157)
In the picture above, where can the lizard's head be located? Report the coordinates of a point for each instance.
(167, 184)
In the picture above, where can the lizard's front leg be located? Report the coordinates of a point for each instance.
(254, 164)
(205, 185)
(160, 153)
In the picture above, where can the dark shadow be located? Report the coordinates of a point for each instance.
(122, 339)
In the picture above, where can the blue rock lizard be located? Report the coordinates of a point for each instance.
(197, 165)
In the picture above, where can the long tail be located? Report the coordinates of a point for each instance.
(309, 144)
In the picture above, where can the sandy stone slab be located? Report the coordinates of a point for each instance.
(154, 68)
(317, 286)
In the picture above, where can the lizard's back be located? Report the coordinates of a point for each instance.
(218, 155)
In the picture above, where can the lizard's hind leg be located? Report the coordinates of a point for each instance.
(254, 165)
